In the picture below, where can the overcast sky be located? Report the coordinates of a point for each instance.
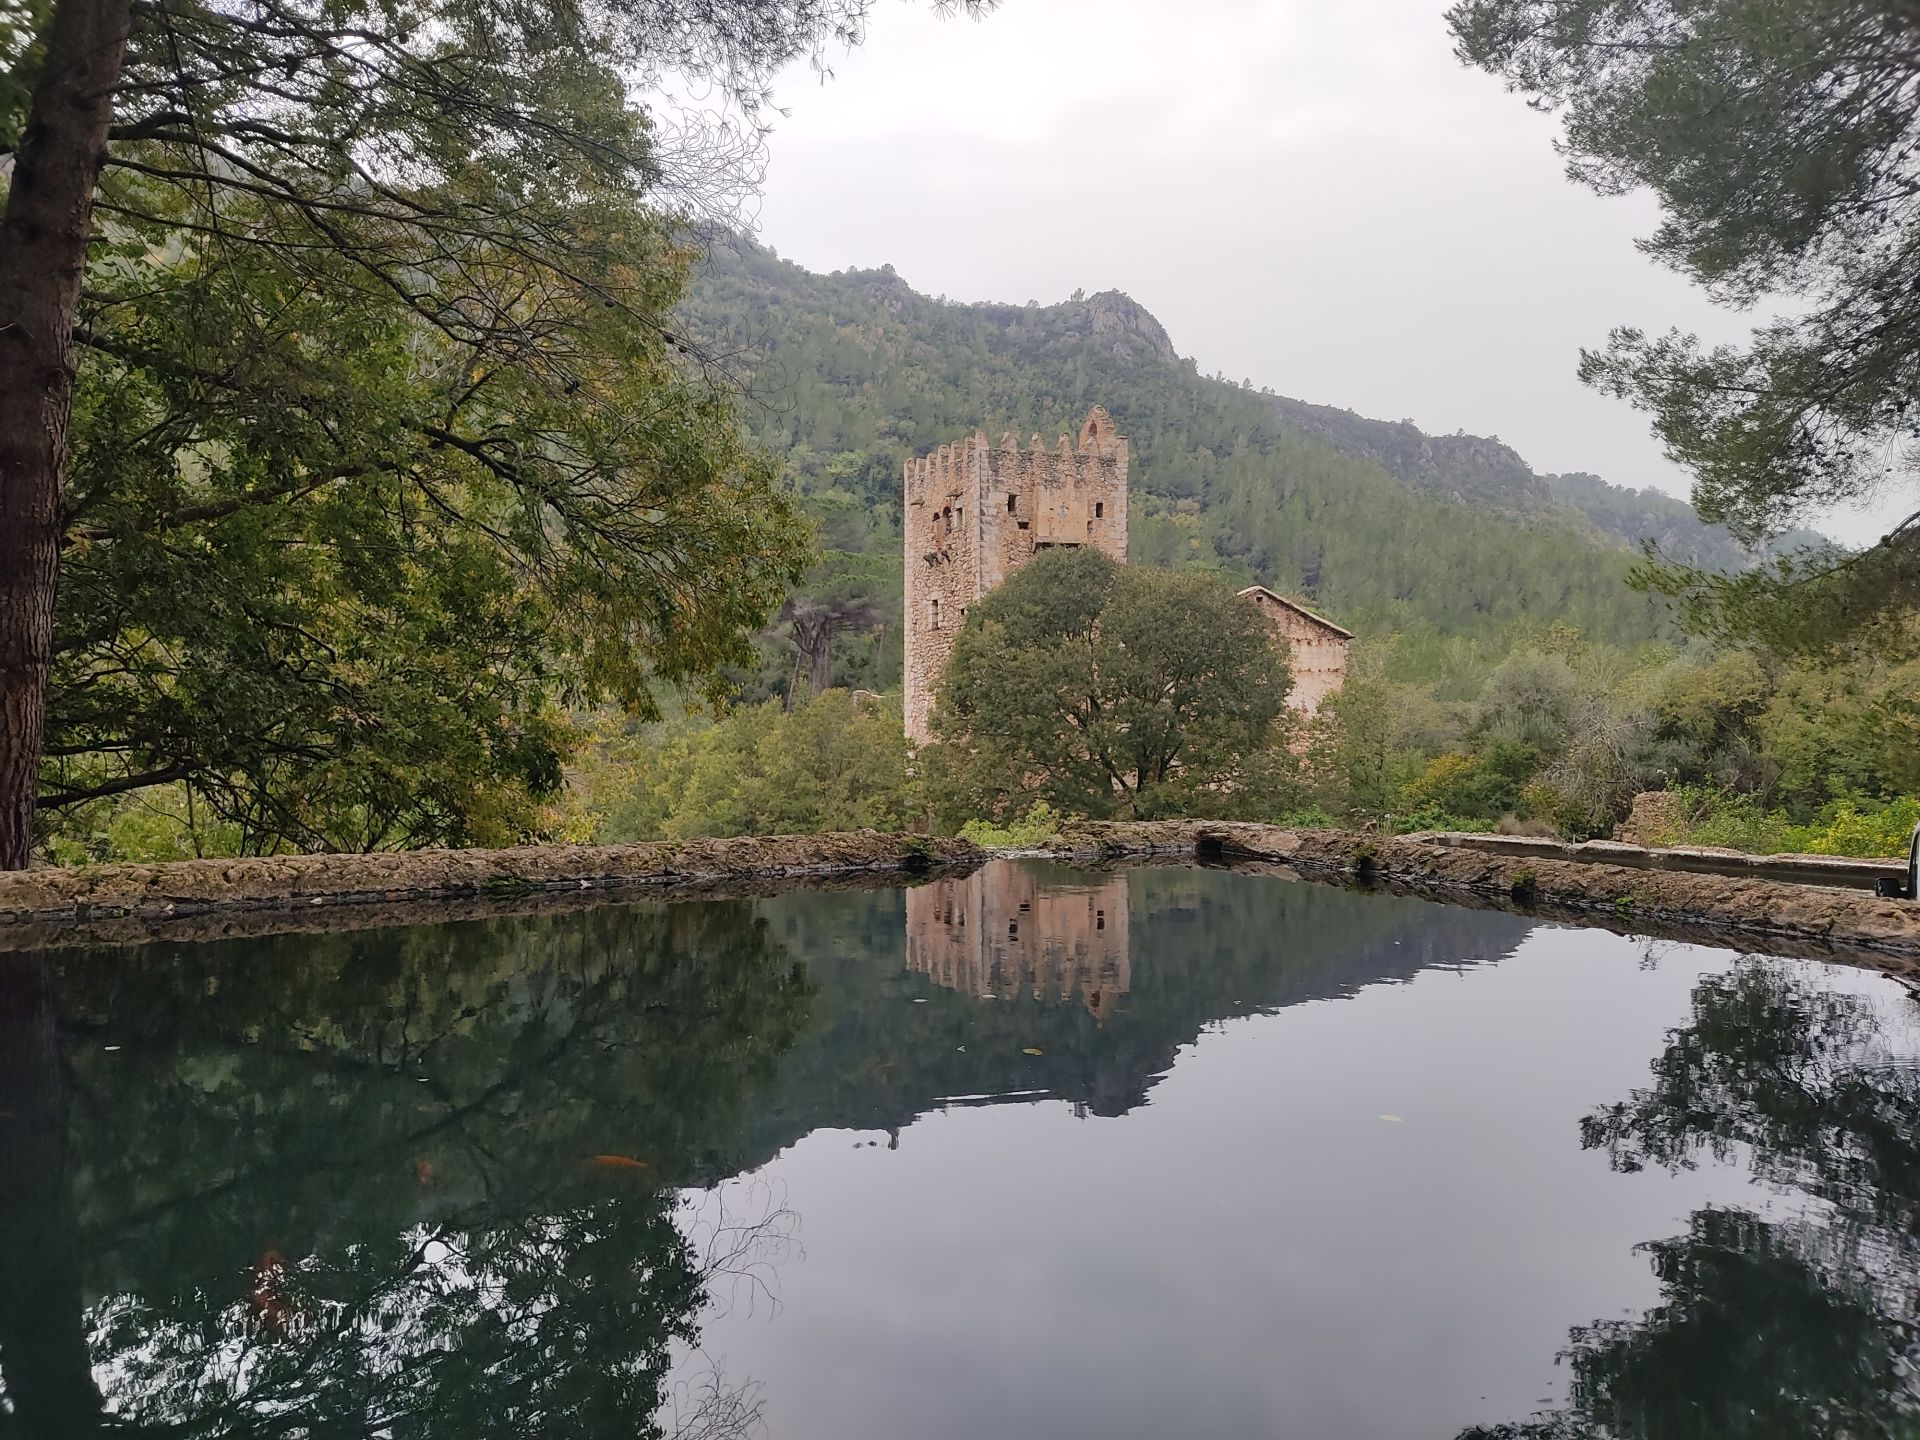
(1313, 194)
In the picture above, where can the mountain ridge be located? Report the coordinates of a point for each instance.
(1388, 530)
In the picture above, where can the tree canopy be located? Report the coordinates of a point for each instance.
(347, 434)
(1100, 687)
(1780, 140)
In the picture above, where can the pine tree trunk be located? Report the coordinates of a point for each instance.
(43, 254)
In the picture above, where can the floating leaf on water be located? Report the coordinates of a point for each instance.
(1032, 1050)
(619, 1162)
(1393, 1119)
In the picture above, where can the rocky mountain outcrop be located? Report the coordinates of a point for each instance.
(1127, 326)
(1468, 469)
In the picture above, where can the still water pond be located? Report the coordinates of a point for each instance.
(1038, 1152)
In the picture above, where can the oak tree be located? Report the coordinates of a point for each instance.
(344, 429)
(1104, 688)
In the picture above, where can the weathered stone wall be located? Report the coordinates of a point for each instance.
(1000, 933)
(942, 521)
(191, 887)
(1655, 815)
(1850, 926)
(1319, 652)
(976, 512)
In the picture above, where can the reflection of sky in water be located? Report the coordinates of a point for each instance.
(1364, 1216)
(1034, 1151)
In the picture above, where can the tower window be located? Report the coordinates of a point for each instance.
(1099, 509)
(936, 614)
(1013, 503)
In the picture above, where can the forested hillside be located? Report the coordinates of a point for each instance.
(1480, 470)
(1504, 671)
(1383, 528)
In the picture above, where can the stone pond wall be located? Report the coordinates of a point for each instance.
(190, 887)
(1769, 916)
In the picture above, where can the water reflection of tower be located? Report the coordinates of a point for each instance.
(1005, 929)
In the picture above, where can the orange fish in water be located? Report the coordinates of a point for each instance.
(267, 1300)
(619, 1162)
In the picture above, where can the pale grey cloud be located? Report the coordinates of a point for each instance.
(1310, 194)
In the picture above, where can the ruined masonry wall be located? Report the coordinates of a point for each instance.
(976, 512)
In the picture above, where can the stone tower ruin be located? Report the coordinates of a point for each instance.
(977, 512)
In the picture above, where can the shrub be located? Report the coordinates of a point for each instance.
(1856, 827)
(1864, 829)
(1432, 817)
(1036, 827)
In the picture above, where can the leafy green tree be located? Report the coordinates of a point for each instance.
(343, 428)
(1779, 140)
(1103, 688)
(836, 762)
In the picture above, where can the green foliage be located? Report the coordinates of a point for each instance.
(1488, 782)
(1036, 827)
(860, 373)
(385, 454)
(835, 763)
(1778, 139)
(1106, 689)
(1861, 827)
(156, 823)
(1435, 817)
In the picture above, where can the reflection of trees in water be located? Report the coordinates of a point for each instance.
(1798, 1328)
(413, 1183)
(1203, 946)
